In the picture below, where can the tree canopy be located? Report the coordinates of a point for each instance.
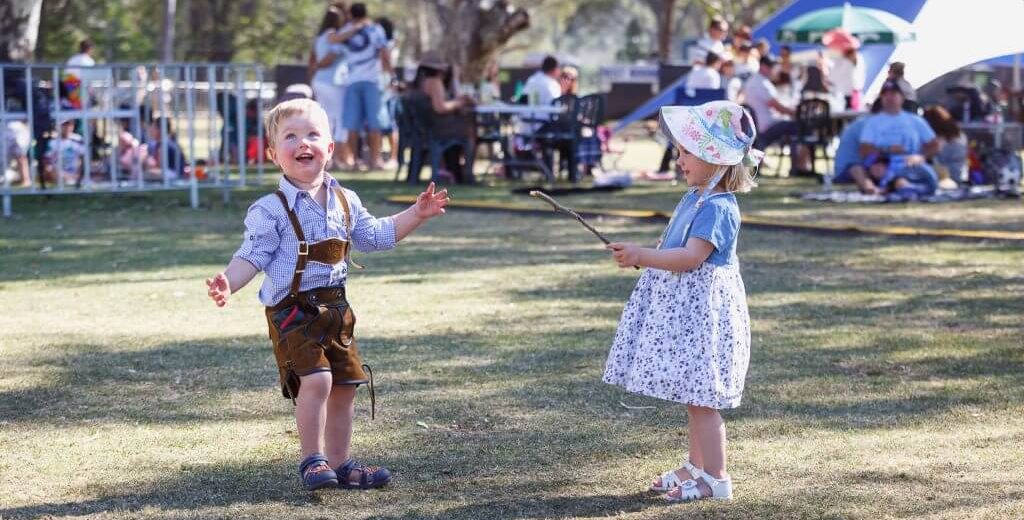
(274, 32)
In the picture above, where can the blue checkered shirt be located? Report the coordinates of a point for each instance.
(270, 245)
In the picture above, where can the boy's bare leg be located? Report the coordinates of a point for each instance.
(311, 411)
(340, 411)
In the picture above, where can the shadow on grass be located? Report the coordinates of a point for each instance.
(215, 485)
(530, 371)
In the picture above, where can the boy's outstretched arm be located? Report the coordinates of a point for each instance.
(429, 204)
(238, 273)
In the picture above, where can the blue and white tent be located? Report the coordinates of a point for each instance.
(949, 34)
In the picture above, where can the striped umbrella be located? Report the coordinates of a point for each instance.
(866, 24)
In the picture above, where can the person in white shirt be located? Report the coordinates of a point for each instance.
(743, 58)
(732, 84)
(328, 81)
(759, 94)
(542, 88)
(713, 41)
(705, 75)
(848, 77)
(84, 57)
(367, 57)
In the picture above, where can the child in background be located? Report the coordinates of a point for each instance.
(684, 336)
(66, 154)
(300, 237)
(131, 152)
(18, 140)
(155, 167)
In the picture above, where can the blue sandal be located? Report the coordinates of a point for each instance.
(316, 473)
(370, 477)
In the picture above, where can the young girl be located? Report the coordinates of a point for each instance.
(685, 334)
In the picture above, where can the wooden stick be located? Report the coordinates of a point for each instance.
(562, 209)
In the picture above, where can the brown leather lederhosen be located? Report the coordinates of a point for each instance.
(319, 323)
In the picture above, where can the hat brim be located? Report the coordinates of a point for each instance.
(674, 122)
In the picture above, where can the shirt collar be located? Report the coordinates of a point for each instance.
(291, 192)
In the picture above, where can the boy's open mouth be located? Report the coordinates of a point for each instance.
(304, 157)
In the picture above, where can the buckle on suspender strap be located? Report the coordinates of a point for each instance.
(303, 248)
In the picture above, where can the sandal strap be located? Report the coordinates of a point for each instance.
(720, 488)
(688, 466)
(669, 479)
(688, 492)
(312, 461)
(366, 473)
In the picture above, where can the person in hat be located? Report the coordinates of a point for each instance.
(447, 115)
(902, 141)
(896, 72)
(684, 335)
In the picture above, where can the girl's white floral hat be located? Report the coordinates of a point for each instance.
(718, 132)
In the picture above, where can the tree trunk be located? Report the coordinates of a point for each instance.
(167, 36)
(473, 32)
(19, 28)
(666, 24)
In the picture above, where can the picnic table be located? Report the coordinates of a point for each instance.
(509, 109)
(496, 123)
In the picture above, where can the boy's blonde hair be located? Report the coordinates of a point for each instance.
(290, 108)
(737, 178)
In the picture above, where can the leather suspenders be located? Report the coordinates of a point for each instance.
(304, 247)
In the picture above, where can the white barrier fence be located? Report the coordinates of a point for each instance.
(129, 127)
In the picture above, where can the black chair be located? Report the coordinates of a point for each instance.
(559, 132)
(488, 133)
(579, 121)
(590, 113)
(815, 126)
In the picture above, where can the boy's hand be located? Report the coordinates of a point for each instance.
(429, 204)
(219, 289)
(626, 254)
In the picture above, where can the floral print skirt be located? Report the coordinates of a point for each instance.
(684, 337)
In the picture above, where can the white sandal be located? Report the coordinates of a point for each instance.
(721, 489)
(669, 479)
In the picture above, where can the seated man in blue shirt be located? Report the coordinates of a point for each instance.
(901, 141)
(849, 168)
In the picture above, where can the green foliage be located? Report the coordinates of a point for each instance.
(637, 42)
(127, 30)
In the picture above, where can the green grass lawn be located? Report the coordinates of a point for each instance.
(886, 379)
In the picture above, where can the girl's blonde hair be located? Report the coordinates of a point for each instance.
(737, 178)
